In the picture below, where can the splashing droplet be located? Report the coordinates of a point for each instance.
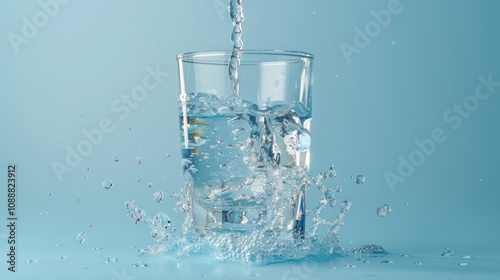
(158, 196)
(383, 210)
(80, 238)
(139, 264)
(107, 184)
(110, 260)
(330, 197)
(360, 179)
(139, 160)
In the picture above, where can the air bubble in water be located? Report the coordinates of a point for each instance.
(383, 210)
(107, 184)
(158, 196)
(80, 238)
(116, 159)
(360, 179)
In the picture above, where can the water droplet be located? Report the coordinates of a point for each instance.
(138, 180)
(418, 263)
(330, 197)
(461, 264)
(139, 160)
(387, 261)
(116, 159)
(331, 172)
(405, 255)
(168, 155)
(314, 13)
(480, 180)
(49, 194)
(360, 179)
(110, 260)
(383, 210)
(80, 238)
(107, 184)
(466, 257)
(139, 264)
(393, 43)
(349, 266)
(64, 257)
(150, 184)
(447, 253)
(158, 196)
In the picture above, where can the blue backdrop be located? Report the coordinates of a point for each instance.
(407, 90)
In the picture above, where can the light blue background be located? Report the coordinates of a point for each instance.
(367, 113)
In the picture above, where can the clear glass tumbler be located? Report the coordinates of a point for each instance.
(246, 155)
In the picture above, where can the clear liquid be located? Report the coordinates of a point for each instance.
(233, 157)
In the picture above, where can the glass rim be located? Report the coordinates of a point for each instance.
(288, 56)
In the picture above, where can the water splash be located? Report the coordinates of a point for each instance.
(261, 245)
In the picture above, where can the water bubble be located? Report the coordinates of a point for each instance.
(168, 155)
(150, 185)
(64, 257)
(461, 264)
(80, 238)
(110, 260)
(116, 159)
(466, 257)
(158, 196)
(385, 261)
(383, 210)
(360, 179)
(139, 160)
(418, 263)
(49, 194)
(107, 184)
